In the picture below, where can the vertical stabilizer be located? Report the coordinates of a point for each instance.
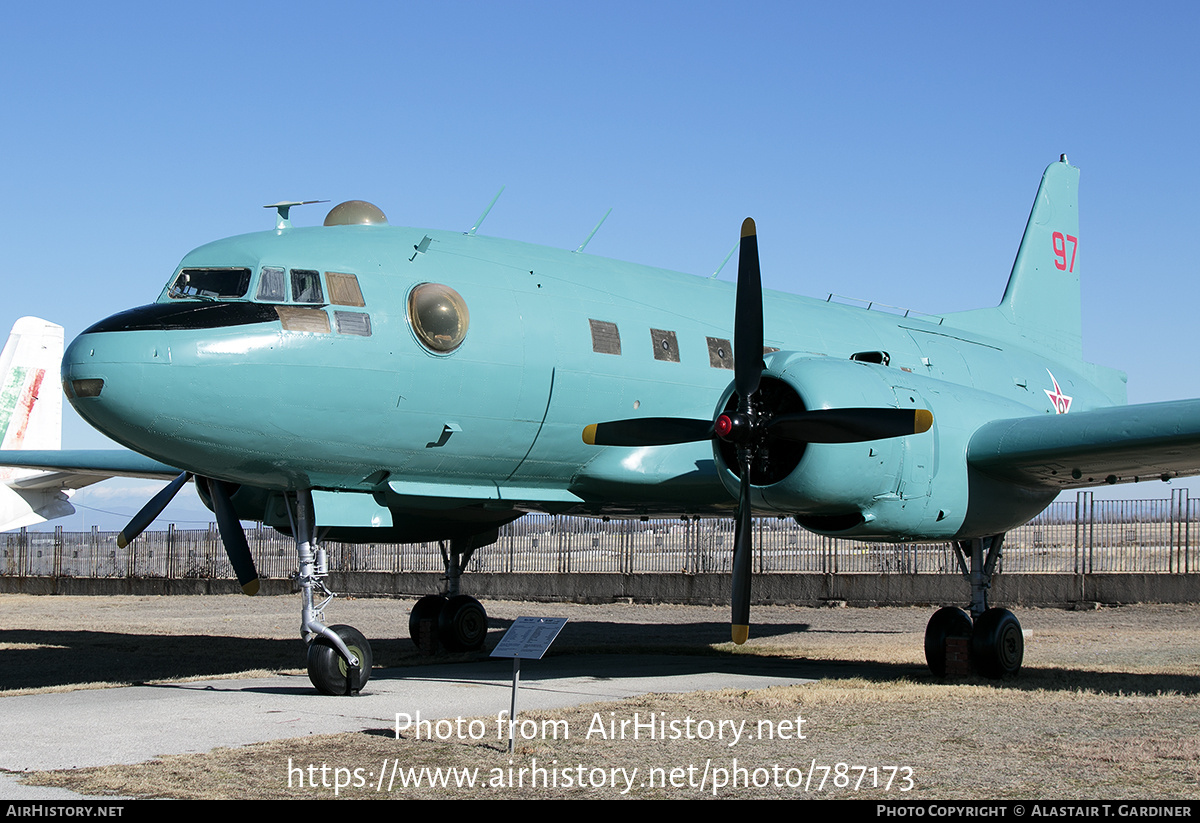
(1041, 308)
(1042, 297)
(30, 399)
(30, 418)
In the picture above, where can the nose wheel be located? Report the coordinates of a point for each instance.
(328, 670)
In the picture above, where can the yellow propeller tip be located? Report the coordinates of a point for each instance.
(251, 588)
(589, 434)
(740, 634)
(748, 228)
(923, 421)
(121, 541)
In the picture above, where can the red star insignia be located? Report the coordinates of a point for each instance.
(1061, 402)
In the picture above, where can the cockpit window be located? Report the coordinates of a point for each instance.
(306, 286)
(343, 289)
(211, 283)
(271, 288)
(438, 316)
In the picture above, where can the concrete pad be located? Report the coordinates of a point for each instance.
(132, 724)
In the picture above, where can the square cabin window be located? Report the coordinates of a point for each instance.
(271, 288)
(306, 286)
(343, 289)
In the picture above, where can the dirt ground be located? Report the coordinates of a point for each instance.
(1105, 706)
(56, 642)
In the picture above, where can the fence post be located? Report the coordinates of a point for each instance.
(172, 570)
(1177, 560)
(1084, 505)
(58, 551)
(1187, 543)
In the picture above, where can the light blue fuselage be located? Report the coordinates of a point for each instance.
(495, 425)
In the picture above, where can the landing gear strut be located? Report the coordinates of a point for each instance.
(339, 657)
(992, 637)
(456, 622)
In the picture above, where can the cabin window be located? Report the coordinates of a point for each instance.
(720, 353)
(295, 318)
(438, 316)
(352, 322)
(271, 285)
(343, 289)
(606, 338)
(306, 286)
(666, 347)
(212, 283)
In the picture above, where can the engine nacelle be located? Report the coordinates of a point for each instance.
(888, 489)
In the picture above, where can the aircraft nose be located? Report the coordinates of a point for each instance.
(75, 380)
(107, 376)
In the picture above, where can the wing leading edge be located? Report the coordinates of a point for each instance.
(93, 464)
(1122, 444)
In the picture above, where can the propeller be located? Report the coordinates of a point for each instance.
(232, 534)
(749, 424)
(142, 520)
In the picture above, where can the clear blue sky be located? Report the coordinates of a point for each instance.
(887, 150)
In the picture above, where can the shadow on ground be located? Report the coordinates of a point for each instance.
(41, 659)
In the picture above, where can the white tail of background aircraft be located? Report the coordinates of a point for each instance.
(31, 418)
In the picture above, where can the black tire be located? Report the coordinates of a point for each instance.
(429, 608)
(997, 645)
(946, 622)
(328, 670)
(462, 625)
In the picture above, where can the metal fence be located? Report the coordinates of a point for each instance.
(1087, 536)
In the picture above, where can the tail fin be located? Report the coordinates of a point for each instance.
(30, 418)
(30, 400)
(1041, 303)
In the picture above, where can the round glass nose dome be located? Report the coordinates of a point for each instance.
(438, 316)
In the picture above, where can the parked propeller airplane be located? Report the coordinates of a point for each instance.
(376, 383)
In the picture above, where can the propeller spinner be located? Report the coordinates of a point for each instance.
(749, 423)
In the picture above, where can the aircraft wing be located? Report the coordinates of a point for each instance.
(1121, 444)
(67, 468)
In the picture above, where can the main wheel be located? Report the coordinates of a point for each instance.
(997, 645)
(428, 608)
(462, 625)
(327, 669)
(946, 622)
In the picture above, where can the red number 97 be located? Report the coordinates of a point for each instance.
(1060, 251)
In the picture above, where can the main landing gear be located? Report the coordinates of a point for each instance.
(339, 657)
(454, 621)
(989, 641)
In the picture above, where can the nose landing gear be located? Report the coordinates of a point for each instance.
(339, 657)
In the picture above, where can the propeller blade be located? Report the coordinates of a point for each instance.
(648, 431)
(142, 520)
(747, 374)
(234, 538)
(742, 552)
(849, 425)
(748, 316)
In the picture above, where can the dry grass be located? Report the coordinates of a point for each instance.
(1106, 708)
